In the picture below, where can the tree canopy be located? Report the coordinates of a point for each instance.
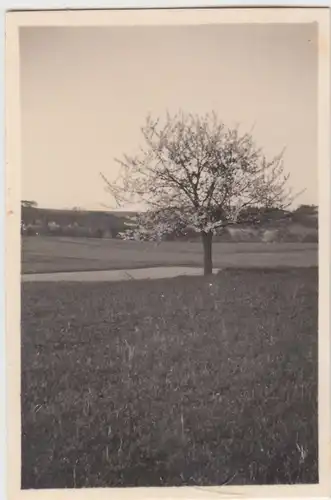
(193, 171)
(29, 204)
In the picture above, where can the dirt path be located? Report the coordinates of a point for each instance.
(132, 274)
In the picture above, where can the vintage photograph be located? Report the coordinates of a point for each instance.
(169, 228)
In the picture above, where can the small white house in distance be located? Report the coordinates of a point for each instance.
(270, 235)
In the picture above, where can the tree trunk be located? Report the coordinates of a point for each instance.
(207, 239)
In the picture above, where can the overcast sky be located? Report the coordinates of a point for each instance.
(86, 92)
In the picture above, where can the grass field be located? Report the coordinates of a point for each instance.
(188, 381)
(51, 254)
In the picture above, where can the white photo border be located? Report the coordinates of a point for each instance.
(10, 218)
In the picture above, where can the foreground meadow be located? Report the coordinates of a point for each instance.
(186, 381)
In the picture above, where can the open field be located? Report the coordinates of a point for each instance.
(51, 254)
(186, 381)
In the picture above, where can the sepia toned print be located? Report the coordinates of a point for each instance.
(170, 237)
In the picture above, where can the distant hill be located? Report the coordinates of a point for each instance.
(277, 225)
(123, 214)
(71, 222)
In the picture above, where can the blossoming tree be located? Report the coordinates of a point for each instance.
(194, 172)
